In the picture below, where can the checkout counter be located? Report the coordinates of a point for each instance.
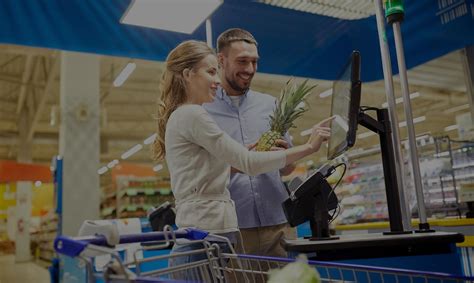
(448, 248)
(432, 251)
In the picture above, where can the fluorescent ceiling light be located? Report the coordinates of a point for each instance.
(174, 15)
(326, 93)
(400, 99)
(124, 74)
(365, 135)
(415, 121)
(338, 119)
(309, 162)
(424, 137)
(132, 151)
(157, 167)
(450, 128)
(112, 163)
(306, 132)
(150, 139)
(53, 117)
(102, 170)
(363, 151)
(419, 119)
(457, 108)
(341, 122)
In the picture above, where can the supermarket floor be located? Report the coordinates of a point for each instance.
(12, 272)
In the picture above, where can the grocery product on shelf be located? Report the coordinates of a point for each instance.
(446, 166)
(135, 195)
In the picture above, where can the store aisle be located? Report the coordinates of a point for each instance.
(11, 272)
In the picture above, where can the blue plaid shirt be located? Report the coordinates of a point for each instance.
(258, 199)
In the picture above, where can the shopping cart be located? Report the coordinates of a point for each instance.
(214, 262)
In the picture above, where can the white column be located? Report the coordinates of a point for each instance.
(23, 191)
(23, 215)
(79, 139)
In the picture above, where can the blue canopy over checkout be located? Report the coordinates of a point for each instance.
(290, 42)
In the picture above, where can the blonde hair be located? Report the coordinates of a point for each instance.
(173, 86)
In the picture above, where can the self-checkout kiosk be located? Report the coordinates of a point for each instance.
(314, 197)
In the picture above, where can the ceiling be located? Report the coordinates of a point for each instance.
(342, 9)
(296, 37)
(127, 111)
(28, 86)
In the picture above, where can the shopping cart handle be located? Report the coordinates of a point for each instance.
(70, 247)
(188, 233)
(74, 247)
(196, 234)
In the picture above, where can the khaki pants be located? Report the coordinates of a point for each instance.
(267, 241)
(263, 241)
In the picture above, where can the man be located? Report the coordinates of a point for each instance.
(245, 115)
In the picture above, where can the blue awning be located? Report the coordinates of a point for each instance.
(290, 42)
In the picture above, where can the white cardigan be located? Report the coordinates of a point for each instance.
(199, 156)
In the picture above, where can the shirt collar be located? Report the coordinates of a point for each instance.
(221, 94)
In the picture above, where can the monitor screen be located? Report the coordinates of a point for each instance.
(345, 107)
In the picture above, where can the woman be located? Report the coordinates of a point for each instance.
(199, 155)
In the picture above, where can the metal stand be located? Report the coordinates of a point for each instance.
(395, 14)
(319, 223)
(381, 126)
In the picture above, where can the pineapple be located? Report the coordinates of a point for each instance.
(285, 114)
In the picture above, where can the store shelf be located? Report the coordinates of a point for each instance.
(109, 195)
(135, 195)
(47, 255)
(45, 236)
(458, 177)
(107, 211)
(144, 191)
(462, 166)
(132, 207)
(363, 189)
(440, 190)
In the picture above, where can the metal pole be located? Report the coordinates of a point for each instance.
(209, 32)
(467, 59)
(409, 119)
(387, 73)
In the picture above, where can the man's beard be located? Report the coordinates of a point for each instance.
(236, 87)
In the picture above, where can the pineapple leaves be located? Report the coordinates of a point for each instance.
(288, 108)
